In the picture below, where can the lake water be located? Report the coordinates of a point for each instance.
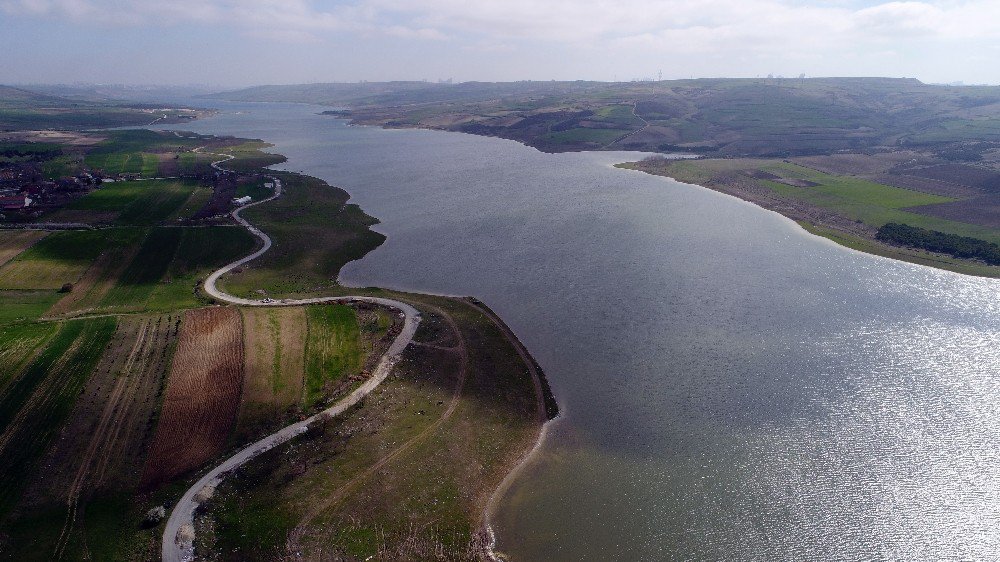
(732, 387)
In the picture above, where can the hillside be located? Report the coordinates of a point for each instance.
(22, 109)
(727, 117)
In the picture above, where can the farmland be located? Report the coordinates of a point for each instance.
(136, 203)
(13, 242)
(36, 403)
(61, 257)
(405, 477)
(124, 380)
(275, 344)
(202, 396)
(333, 349)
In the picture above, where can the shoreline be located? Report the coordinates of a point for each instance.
(179, 531)
(852, 241)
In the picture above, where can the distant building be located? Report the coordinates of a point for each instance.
(13, 202)
(242, 200)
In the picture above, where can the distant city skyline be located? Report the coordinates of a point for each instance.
(230, 43)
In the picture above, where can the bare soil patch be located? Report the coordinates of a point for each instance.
(202, 396)
(984, 210)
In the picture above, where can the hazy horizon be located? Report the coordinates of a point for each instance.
(230, 44)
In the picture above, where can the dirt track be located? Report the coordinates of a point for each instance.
(178, 534)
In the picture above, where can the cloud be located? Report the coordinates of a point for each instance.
(669, 25)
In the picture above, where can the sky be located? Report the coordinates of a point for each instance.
(234, 43)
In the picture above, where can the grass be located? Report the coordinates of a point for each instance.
(871, 203)
(59, 258)
(139, 279)
(314, 232)
(18, 343)
(200, 197)
(427, 501)
(34, 405)
(21, 306)
(332, 349)
(200, 251)
(138, 203)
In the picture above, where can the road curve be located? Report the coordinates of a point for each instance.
(178, 534)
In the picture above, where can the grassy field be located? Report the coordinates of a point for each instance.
(404, 477)
(147, 268)
(871, 203)
(13, 242)
(61, 257)
(314, 232)
(134, 203)
(34, 405)
(332, 350)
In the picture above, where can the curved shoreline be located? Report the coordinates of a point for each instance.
(178, 533)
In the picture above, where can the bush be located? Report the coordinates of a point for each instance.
(934, 241)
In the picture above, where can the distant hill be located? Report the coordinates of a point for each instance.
(23, 109)
(737, 117)
(18, 97)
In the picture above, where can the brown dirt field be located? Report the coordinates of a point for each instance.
(60, 137)
(202, 397)
(84, 216)
(99, 278)
(983, 210)
(857, 164)
(926, 185)
(275, 340)
(13, 242)
(169, 166)
(976, 177)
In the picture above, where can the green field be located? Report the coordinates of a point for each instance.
(35, 404)
(332, 349)
(24, 305)
(18, 344)
(201, 250)
(59, 258)
(314, 232)
(871, 203)
(137, 203)
(145, 271)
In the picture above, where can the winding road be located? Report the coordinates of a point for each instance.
(179, 534)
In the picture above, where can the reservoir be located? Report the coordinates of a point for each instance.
(731, 386)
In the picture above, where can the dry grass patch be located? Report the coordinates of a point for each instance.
(202, 397)
(275, 340)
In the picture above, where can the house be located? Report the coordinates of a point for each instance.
(242, 200)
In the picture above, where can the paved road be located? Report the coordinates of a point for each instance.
(178, 535)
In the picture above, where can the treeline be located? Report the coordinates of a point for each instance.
(958, 246)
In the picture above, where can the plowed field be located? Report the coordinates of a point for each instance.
(202, 396)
